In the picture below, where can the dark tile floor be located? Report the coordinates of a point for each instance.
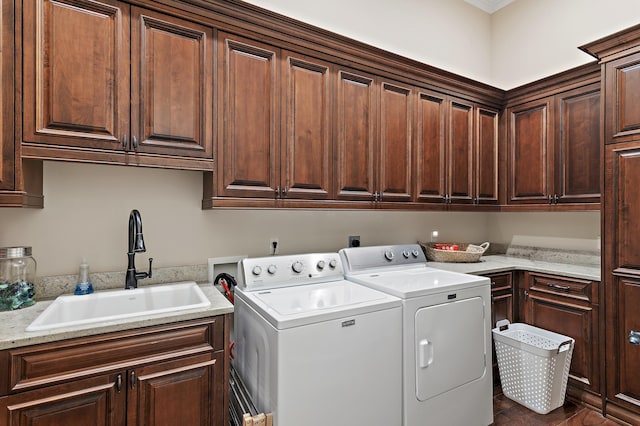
(508, 412)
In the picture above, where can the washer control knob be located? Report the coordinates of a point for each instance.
(321, 264)
(257, 270)
(297, 266)
(332, 264)
(405, 254)
(271, 269)
(388, 255)
(415, 253)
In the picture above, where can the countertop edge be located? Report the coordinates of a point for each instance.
(500, 263)
(15, 336)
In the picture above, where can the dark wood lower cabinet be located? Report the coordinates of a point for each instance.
(502, 297)
(164, 375)
(569, 306)
(94, 401)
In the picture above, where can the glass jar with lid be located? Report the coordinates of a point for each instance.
(17, 277)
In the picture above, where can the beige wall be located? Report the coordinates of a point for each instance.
(87, 210)
(532, 39)
(449, 34)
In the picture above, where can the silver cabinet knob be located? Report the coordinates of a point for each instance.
(634, 337)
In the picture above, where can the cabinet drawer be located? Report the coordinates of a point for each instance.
(68, 360)
(501, 282)
(573, 288)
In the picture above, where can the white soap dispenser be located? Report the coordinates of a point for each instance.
(84, 285)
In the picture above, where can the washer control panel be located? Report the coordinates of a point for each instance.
(285, 271)
(360, 258)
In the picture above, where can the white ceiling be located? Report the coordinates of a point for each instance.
(489, 6)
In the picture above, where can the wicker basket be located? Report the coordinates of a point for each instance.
(465, 253)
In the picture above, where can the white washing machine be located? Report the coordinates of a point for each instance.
(315, 349)
(446, 334)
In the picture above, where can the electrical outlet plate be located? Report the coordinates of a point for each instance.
(354, 240)
(271, 250)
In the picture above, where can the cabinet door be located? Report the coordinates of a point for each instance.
(96, 401)
(622, 272)
(624, 358)
(355, 137)
(430, 147)
(460, 152)
(307, 149)
(248, 146)
(76, 73)
(622, 85)
(530, 151)
(7, 144)
(578, 145)
(486, 158)
(396, 114)
(178, 392)
(172, 84)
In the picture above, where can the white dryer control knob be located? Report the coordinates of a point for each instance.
(297, 266)
(257, 270)
(321, 264)
(271, 269)
(332, 264)
(405, 254)
(388, 255)
(415, 253)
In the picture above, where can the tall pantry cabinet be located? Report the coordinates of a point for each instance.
(619, 55)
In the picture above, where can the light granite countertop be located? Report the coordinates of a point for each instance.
(13, 334)
(502, 263)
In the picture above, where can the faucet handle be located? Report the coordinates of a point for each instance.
(150, 262)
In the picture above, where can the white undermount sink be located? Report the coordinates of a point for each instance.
(101, 306)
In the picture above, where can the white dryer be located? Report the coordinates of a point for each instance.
(446, 334)
(315, 349)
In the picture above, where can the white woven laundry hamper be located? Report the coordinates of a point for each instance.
(534, 364)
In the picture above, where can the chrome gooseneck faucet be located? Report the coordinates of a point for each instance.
(136, 245)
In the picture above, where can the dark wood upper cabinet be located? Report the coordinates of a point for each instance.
(430, 148)
(487, 171)
(248, 153)
(530, 151)
(307, 150)
(456, 148)
(355, 136)
(577, 154)
(622, 110)
(553, 141)
(460, 147)
(394, 153)
(171, 80)
(105, 79)
(7, 143)
(76, 73)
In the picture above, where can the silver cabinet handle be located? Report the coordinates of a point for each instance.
(278, 191)
(125, 142)
(135, 143)
(556, 198)
(132, 379)
(119, 383)
(559, 287)
(550, 198)
(634, 337)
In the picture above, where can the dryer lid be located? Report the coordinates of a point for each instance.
(414, 281)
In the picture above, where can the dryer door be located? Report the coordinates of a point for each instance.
(450, 346)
